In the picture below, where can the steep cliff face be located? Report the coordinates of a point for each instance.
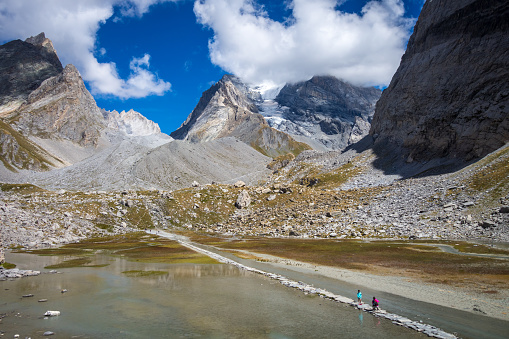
(450, 94)
(24, 65)
(330, 111)
(226, 110)
(61, 108)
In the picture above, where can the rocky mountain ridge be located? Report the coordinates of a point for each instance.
(450, 94)
(58, 138)
(61, 108)
(324, 112)
(226, 110)
(328, 112)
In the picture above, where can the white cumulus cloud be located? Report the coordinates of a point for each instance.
(364, 49)
(72, 26)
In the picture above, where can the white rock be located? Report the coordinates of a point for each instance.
(52, 313)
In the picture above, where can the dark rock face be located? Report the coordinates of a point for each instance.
(335, 112)
(25, 65)
(228, 110)
(450, 94)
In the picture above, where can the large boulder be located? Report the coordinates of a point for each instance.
(243, 200)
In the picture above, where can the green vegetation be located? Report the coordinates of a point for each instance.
(306, 173)
(8, 266)
(139, 247)
(494, 176)
(138, 273)
(205, 206)
(139, 216)
(297, 147)
(20, 188)
(26, 154)
(169, 254)
(281, 161)
(106, 227)
(114, 243)
(467, 247)
(337, 177)
(78, 262)
(292, 146)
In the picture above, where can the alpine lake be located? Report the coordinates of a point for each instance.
(141, 286)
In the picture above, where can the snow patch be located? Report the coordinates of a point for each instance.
(267, 90)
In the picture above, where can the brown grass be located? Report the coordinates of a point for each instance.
(385, 257)
(139, 246)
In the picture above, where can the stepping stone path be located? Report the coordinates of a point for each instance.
(429, 330)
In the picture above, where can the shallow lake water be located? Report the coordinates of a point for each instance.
(187, 301)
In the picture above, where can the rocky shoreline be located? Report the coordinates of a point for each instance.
(15, 273)
(38, 219)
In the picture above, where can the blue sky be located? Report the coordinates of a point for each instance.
(158, 56)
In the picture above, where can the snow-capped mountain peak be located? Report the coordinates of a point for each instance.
(131, 123)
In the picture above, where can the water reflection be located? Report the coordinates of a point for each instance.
(212, 301)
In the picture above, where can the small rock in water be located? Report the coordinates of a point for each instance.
(64, 290)
(51, 313)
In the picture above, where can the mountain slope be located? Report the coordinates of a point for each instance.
(328, 111)
(52, 127)
(450, 94)
(225, 110)
(48, 118)
(132, 164)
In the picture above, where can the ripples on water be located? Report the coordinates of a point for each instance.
(187, 301)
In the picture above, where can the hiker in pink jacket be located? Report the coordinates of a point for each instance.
(374, 304)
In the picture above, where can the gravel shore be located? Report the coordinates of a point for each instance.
(438, 294)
